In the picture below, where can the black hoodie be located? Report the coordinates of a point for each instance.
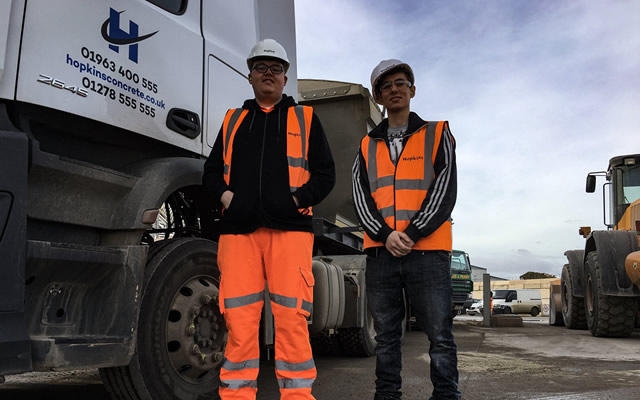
(259, 176)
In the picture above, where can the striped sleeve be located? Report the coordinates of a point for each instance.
(366, 210)
(441, 197)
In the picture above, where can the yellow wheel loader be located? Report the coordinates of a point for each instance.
(600, 285)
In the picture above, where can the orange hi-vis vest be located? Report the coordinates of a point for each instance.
(399, 190)
(298, 129)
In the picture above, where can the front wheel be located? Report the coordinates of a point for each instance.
(181, 335)
(609, 316)
(535, 311)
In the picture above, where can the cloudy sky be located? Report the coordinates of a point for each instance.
(537, 93)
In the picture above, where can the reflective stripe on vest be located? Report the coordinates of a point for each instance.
(230, 126)
(400, 190)
(298, 129)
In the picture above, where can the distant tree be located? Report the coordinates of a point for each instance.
(536, 275)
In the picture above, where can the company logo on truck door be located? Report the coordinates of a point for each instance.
(112, 33)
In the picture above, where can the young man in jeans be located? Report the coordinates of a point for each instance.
(404, 189)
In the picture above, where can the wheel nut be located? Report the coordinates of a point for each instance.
(195, 349)
(205, 299)
(203, 359)
(217, 356)
(191, 330)
(195, 310)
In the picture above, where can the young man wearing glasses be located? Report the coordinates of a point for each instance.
(404, 189)
(270, 163)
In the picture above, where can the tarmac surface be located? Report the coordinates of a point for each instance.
(535, 362)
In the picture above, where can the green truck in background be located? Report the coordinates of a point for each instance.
(460, 280)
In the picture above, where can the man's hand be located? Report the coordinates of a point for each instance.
(226, 198)
(399, 244)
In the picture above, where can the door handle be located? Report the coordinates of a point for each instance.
(186, 123)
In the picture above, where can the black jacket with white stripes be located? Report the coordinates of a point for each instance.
(436, 207)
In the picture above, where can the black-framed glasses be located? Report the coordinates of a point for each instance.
(276, 69)
(400, 84)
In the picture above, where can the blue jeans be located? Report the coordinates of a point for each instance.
(425, 276)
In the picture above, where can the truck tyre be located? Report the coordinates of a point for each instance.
(573, 309)
(609, 316)
(507, 310)
(534, 311)
(181, 335)
(325, 344)
(359, 342)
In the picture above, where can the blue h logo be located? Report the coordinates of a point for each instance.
(118, 37)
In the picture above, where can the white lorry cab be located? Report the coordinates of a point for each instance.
(517, 301)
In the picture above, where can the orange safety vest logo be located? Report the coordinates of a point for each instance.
(298, 129)
(399, 190)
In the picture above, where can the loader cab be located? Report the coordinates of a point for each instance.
(623, 182)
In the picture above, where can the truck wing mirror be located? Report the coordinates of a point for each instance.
(591, 183)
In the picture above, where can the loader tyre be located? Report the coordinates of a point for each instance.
(181, 335)
(573, 308)
(609, 316)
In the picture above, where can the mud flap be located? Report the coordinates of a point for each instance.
(15, 346)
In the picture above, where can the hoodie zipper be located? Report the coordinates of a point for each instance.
(264, 138)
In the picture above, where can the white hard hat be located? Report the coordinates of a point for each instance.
(386, 66)
(268, 48)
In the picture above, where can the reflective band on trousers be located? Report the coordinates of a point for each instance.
(295, 383)
(239, 366)
(239, 384)
(301, 366)
(297, 131)
(290, 302)
(240, 301)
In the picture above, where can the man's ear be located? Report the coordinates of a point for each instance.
(413, 91)
(285, 80)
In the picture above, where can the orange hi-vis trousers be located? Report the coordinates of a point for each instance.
(246, 262)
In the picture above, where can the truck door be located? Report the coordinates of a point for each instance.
(123, 63)
(230, 30)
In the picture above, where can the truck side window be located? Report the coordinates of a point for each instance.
(173, 6)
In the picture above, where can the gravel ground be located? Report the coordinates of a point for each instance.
(536, 362)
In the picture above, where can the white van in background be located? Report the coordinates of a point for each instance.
(517, 301)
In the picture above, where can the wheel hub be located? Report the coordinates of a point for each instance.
(196, 332)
